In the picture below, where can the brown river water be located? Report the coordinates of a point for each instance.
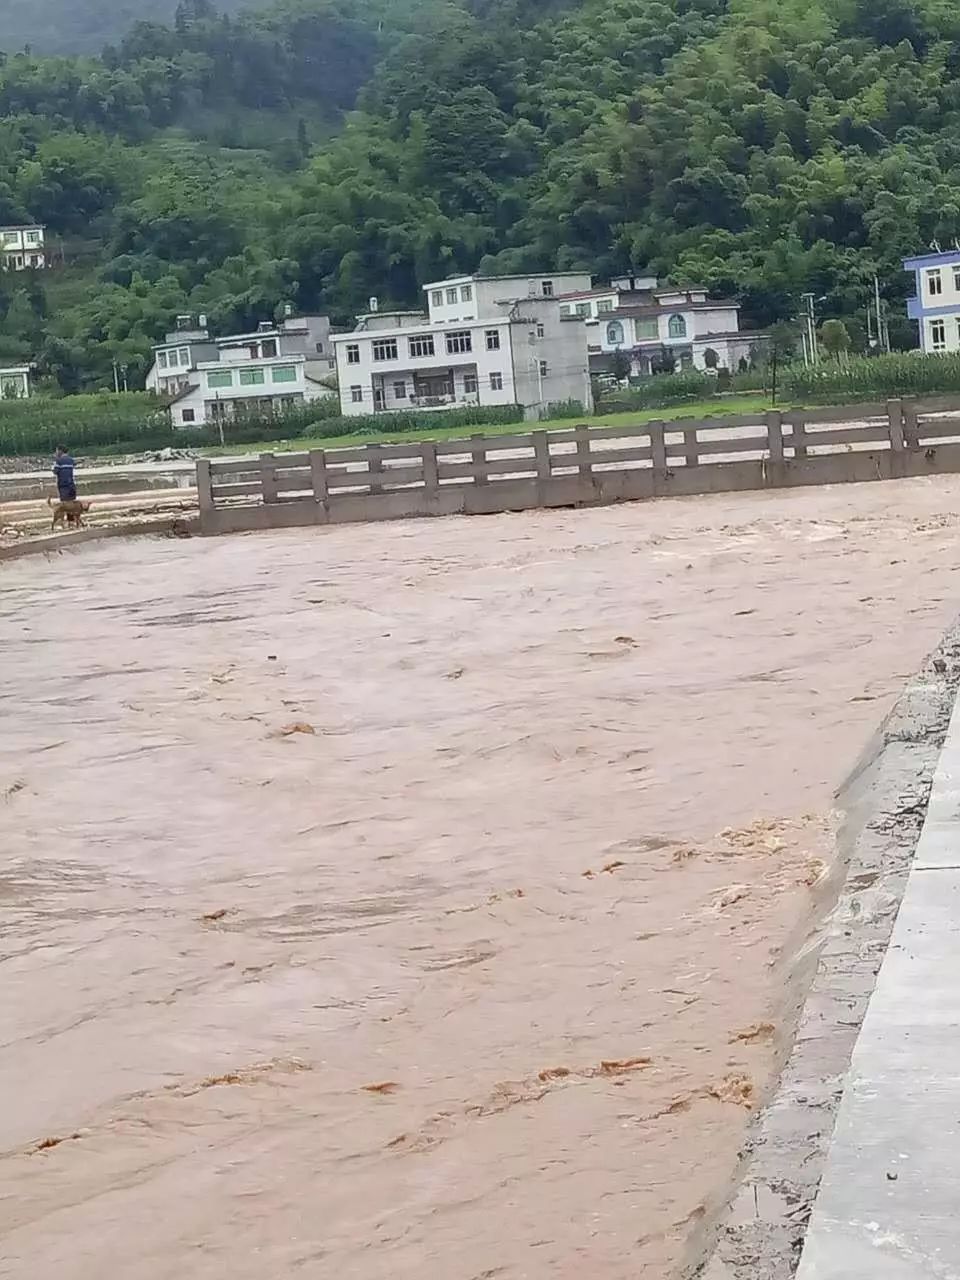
(421, 900)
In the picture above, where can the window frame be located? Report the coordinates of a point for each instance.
(284, 369)
(466, 293)
(425, 340)
(458, 342)
(383, 350)
(677, 326)
(544, 368)
(353, 352)
(938, 335)
(452, 296)
(934, 276)
(491, 338)
(496, 380)
(252, 378)
(188, 415)
(473, 389)
(436, 297)
(400, 390)
(546, 289)
(219, 379)
(356, 395)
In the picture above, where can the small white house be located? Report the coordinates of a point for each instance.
(497, 340)
(23, 248)
(15, 382)
(220, 391)
(271, 370)
(645, 322)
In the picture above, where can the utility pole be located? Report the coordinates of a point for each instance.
(811, 321)
(883, 332)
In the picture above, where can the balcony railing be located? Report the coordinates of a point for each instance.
(444, 402)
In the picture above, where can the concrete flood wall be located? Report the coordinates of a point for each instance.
(581, 466)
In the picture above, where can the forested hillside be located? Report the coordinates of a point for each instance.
(761, 147)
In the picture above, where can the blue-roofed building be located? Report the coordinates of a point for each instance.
(936, 304)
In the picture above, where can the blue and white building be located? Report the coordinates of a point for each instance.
(936, 304)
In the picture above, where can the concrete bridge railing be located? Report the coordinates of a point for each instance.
(581, 466)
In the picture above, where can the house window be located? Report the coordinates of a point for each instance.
(469, 384)
(251, 377)
(458, 342)
(496, 382)
(546, 288)
(466, 293)
(422, 346)
(35, 260)
(399, 391)
(220, 378)
(285, 373)
(541, 332)
(353, 353)
(938, 335)
(185, 357)
(677, 327)
(544, 368)
(436, 298)
(583, 309)
(451, 297)
(492, 337)
(614, 333)
(161, 359)
(604, 305)
(269, 349)
(356, 395)
(385, 349)
(319, 348)
(189, 415)
(934, 283)
(956, 278)
(33, 237)
(646, 329)
(565, 308)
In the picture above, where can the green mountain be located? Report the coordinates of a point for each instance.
(81, 26)
(324, 150)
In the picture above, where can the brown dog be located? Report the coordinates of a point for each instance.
(68, 513)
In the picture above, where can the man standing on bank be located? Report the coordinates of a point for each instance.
(63, 470)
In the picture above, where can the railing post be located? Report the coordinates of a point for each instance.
(318, 474)
(775, 435)
(375, 467)
(584, 460)
(911, 424)
(268, 478)
(691, 449)
(204, 485)
(541, 452)
(431, 480)
(478, 455)
(895, 419)
(798, 434)
(658, 447)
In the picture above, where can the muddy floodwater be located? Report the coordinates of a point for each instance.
(421, 901)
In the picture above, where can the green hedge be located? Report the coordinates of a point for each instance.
(370, 424)
(135, 421)
(876, 378)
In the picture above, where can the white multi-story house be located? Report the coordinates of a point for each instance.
(273, 369)
(936, 304)
(653, 325)
(484, 340)
(15, 382)
(23, 248)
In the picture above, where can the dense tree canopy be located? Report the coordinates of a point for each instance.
(325, 150)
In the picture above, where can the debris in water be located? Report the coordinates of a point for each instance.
(385, 1086)
(299, 726)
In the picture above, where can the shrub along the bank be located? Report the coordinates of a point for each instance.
(874, 378)
(136, 421)
(370, 424)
